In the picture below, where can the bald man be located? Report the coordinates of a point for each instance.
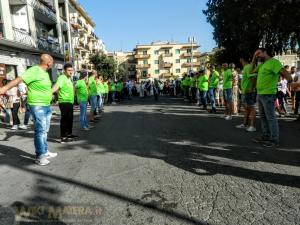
(39, 99)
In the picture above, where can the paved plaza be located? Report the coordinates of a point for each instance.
(146, 162)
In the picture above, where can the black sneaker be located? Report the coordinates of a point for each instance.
(66, 140)
(270, 144)
(259, 140)
(73, 136)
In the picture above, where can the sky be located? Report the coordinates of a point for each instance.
(122, 24)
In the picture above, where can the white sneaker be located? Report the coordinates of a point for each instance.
(14, 127)
(43, 161)
(85, 129)
(49, 155)
(251, 129)
(23, 127)
(228, 118)
(241, 126)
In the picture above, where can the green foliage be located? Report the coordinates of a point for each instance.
(104, 65)
(240, 26)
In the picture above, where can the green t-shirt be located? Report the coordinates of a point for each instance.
(214, 79)
(268, 75)
(92, 87)
(188, 82)
(203, 83)
(113, 86)
(39, 86)
(119, 87)
(66, 89)
(101, 89)
(106, 88)
(247, 85)
(82, 91)
(227, 79)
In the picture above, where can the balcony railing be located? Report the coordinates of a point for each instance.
(64, 24)
(195, 64)
(141, 56)
(167, 55)
(49, 45)
(189, 54)
(167, 65)
(76, 23)
(143, 66)
(23, 37)
(43, 8)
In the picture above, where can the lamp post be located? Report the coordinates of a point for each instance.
(191, 40)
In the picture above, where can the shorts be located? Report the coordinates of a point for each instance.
(250, 99)
(93, 102)
(227, 95)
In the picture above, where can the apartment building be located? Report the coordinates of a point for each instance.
(127, 61)
(29, 28)
(165, 60)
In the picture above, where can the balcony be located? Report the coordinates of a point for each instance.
(49, 45)
(167, 65)
(23, 37)
(167, 55)
(195, 64)
(143, 66)
(166, 75)
(76, 23)
(141, 56)
(189, 54)
(43, 9)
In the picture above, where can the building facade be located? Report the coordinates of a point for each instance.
(165, 60)
(29, 28)
(127, 61)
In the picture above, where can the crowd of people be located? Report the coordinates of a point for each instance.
(263, 83)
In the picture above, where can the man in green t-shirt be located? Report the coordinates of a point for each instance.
(213, 85)
(101, 93)
(39, 100)
(249, 96)
(203, 88)
(65, 89)
(227, 89)
(268, 75)
(82, 98)
(93, 93)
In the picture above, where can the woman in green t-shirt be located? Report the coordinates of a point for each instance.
(82, 97)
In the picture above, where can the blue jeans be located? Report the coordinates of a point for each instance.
(269, 123)
(83, 115)
(212, 97)
(93, 102)
(203, 95)
(41, 117)
(228, 95)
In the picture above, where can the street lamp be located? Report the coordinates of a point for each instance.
(191, 40)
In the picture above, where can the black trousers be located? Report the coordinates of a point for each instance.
(66, 121)
(15, 110)
(297, 102)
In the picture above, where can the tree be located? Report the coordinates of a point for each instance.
(104, 65)
(121, 72)
(242, 26)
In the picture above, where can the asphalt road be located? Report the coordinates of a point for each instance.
(146, 162)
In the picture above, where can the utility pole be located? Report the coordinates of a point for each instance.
(192, 41)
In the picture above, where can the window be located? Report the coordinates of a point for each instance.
(11, 72)
(144, 52)
(177, 70)
(145, 73)
(156, 62)
(189, 50)
(189, 60)
(177, 51)
(167, 51)
(145, 62)
(177, 60)
(156, 52)
(157, 71)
